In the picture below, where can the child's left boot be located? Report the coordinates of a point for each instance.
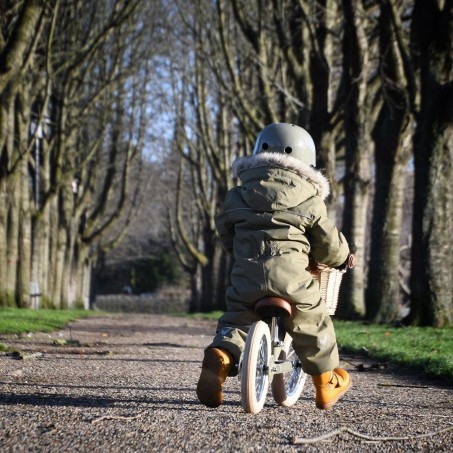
(214, 370)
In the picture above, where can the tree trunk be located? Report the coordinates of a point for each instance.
(358, 151)
(357, 194)
(432, 254)
(3, 244)
(86, 284)
(391, 135)
(12, 240)
(321, 126)
(383, 290)
(25, 244)
(432, 263)
(195, 291)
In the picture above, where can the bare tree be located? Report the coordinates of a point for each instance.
(392, 134)
(77, 91)
(203, 140)
(82, 88)
(432, 254)
(273, 62)
(21, 29)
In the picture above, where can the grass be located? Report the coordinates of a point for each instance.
(425, 348)
(17, 321)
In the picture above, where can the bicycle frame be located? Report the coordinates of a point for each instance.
(277, 366)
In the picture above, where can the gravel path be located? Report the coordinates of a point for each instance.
(126, 383)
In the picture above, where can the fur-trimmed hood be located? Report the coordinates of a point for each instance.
(287, 163)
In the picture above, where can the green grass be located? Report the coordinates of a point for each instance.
(17, 321)
(424, 348)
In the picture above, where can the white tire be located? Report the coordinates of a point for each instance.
(287, 387)
(255, 366)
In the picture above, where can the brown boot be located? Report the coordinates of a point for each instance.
(330, 386)
(214, 370)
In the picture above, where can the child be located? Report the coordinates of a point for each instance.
(271, 223)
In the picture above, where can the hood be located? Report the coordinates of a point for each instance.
(272, 181)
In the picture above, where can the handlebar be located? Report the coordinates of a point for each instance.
(350, 262)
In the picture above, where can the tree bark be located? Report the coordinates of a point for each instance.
(432, 254)
(358, 151)
(392, 134)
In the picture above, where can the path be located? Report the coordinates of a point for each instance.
(126, 384)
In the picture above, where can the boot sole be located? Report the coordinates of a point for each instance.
(325, 406)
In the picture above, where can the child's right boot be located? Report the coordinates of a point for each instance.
(330, 386)
(214, 370)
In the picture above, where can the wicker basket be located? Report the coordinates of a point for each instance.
(329, 285)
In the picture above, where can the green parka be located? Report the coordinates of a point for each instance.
(272, 222)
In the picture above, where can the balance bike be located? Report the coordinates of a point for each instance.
(269, 358)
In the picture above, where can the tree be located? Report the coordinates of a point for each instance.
(359, 58)
(79, 83)
(21, 29)
(90, 140)
(300, 80)
(392, 133)
(80, 90)
(432, 255)
(202, 139)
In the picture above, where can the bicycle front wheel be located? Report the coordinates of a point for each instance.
(287, 387)
(255, 368)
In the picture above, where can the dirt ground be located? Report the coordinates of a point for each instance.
(126, 383)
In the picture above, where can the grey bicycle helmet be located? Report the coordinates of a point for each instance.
(289, 139)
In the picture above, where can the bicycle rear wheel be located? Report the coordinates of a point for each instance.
(255, 366)
(287, 387)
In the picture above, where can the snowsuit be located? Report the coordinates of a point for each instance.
(271, 223)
